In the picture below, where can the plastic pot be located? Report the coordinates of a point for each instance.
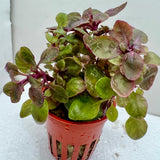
(73, 140)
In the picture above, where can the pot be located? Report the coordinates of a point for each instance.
(73, 140)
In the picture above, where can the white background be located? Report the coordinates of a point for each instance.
(30, 19)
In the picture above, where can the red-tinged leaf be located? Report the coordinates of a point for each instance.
(121, 85)
(12, 69)
(13, 90)
(132, 66)
(72, 18)
(123, 31)
(139, 37)
(36, 96)
(49, 55)
(114, 11)
(149, 76)
(95, 15)
(103, 47)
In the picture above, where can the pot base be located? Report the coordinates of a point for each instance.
(73, 140)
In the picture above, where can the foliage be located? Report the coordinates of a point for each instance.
(87, 67)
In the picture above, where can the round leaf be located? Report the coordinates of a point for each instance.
(62, 19)
(92, 75)
(135, 128)
(103, 88)
(49, 55)
(24, 59)
(132, 65)
(149, 76)
(137, 106)
(13, 90)
(112, 113)
(26, 108)
(40, 114)
(152, 58)
(75, 86)
(122, 101)
(84, 108)
(121, 85)
(36, 96)
(139, 36)
(102, 47)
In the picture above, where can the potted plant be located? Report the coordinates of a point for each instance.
(86, 69)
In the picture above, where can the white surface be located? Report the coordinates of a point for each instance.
(30, 19)
(23, 139)
(5, 40)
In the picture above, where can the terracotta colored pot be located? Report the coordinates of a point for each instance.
(73, 140)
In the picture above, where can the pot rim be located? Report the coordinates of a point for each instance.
(60, 120)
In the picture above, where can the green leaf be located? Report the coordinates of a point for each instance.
(139, 37)
(132, 66)
(121, 85)
(136, 128)
(40, 114)
(62, 19)
(50, 38)
(149, 76)
(48, 93)
(152, 58)
(103, 88)
(112, 113)
(122, 101)
(59, 93)
(92, 75)
(36, 96)
(26, 108)
(51, 104)
(24, 59)
(116, 61)
(84, 107)
(139, 91)
(72, 67)
(34, 82)
(137, 106)
(103, 47)
(13, 90)
(49, 55)
(75, 86)
(61, 64)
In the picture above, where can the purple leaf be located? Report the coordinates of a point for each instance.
(13, 90)
(149, 76)
(122, 31)
(132, 66)
(114, 11)
(36, 96)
